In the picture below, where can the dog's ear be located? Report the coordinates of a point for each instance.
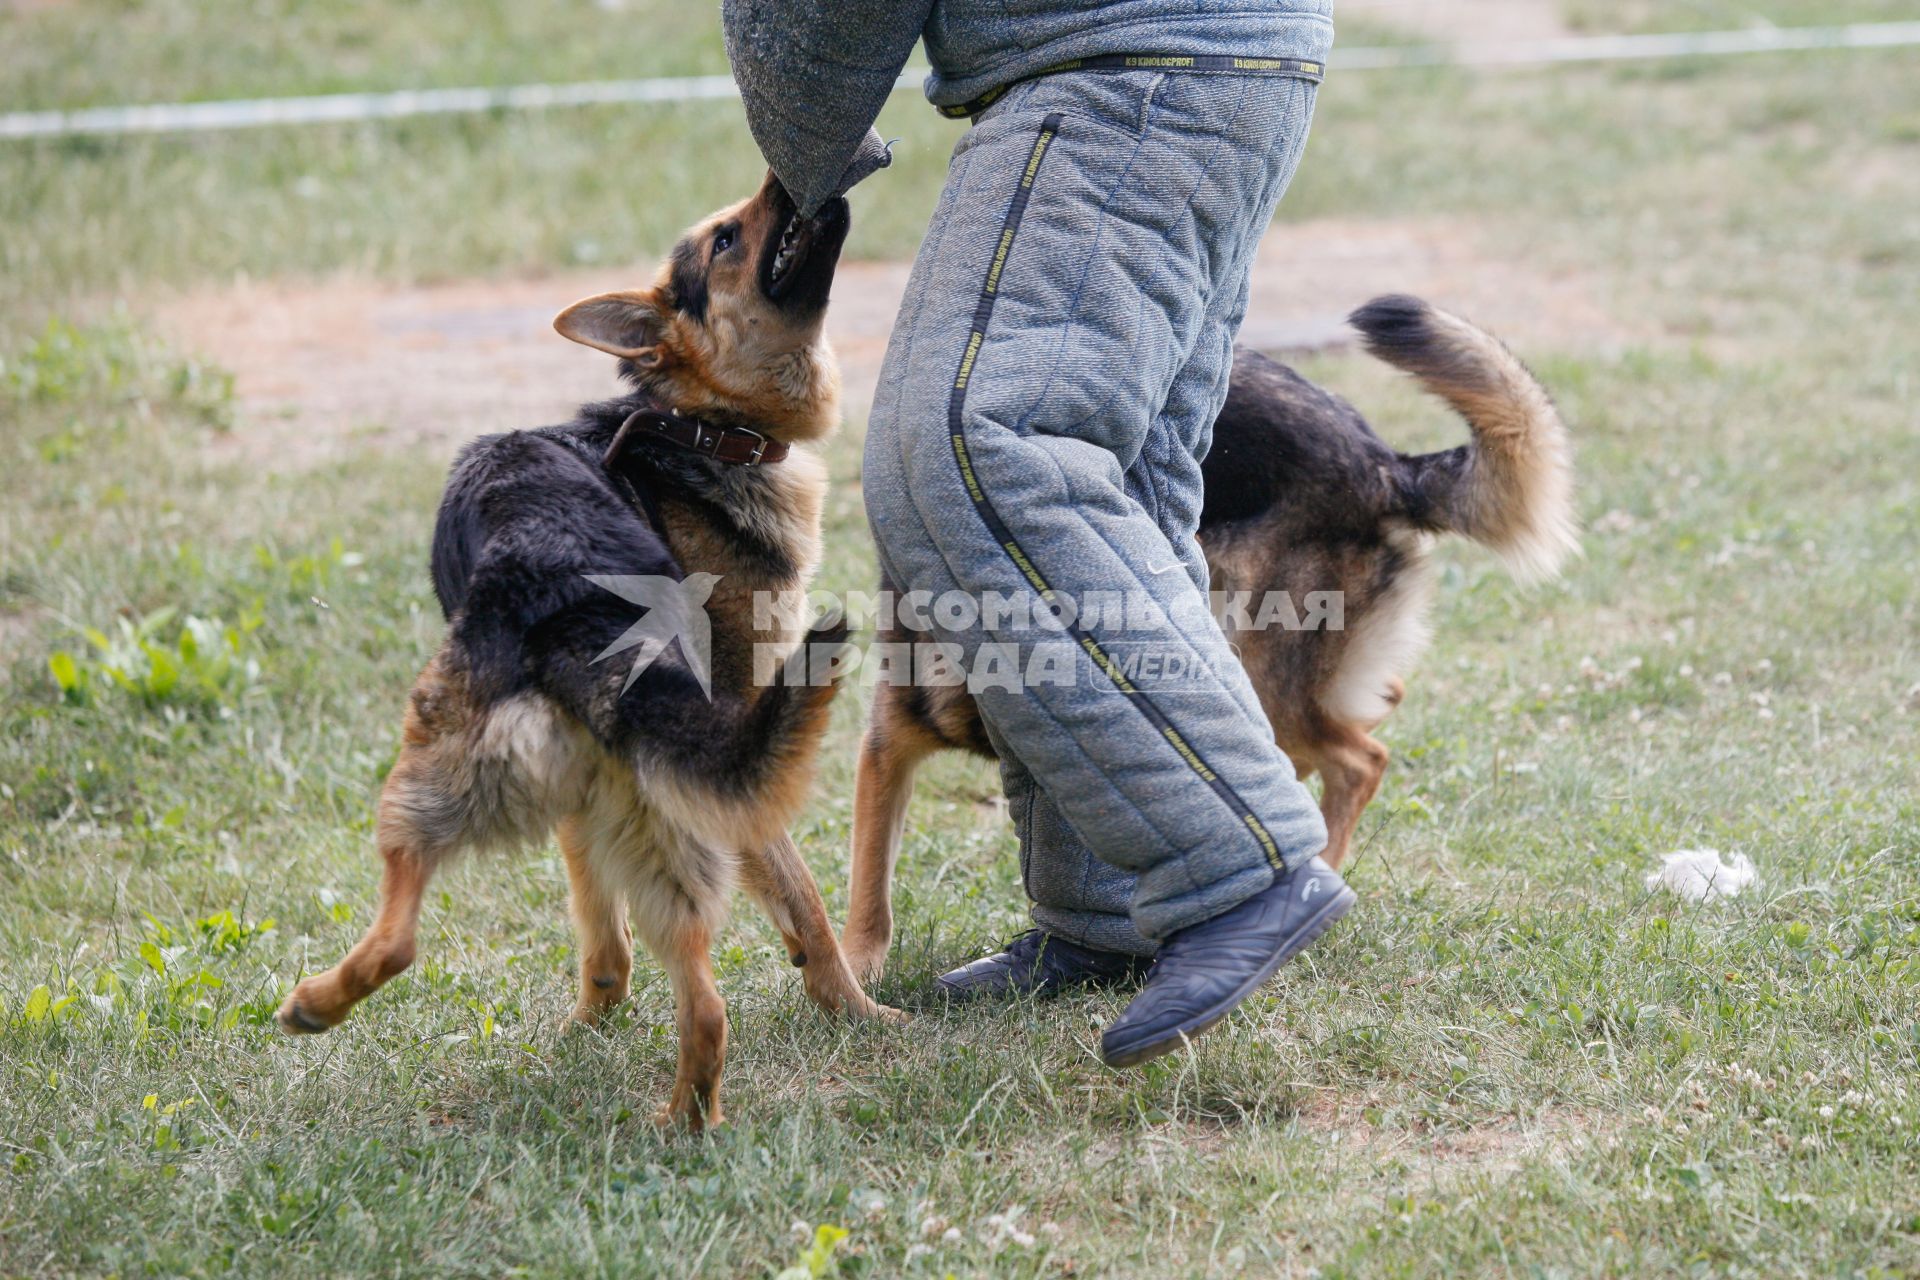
(629, 325)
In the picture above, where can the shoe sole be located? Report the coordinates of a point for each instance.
(1008, 992)
(1302, 938)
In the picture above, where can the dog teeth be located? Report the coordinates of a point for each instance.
(784, 255)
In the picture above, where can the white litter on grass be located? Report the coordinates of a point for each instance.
(1698, 875)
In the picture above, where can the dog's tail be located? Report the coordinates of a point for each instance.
(1511, 489)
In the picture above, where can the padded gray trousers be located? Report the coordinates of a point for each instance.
(1049, 391)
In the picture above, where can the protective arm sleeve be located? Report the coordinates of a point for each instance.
(814, 75)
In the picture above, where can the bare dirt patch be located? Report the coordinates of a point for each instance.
(325, 369)
(321, 369)
(1309, 275)
(1500, 1145)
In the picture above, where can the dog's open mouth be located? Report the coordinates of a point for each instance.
(794, 243)
(797, 267)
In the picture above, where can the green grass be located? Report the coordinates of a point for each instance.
(1725, 15)
(95, 52)
(1511, 1059)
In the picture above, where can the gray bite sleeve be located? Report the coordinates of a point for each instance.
(814, 75)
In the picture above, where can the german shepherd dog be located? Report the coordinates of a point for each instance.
(1301, 496)
(662, 792)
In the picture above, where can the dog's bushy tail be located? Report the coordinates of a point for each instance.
(1512, 488)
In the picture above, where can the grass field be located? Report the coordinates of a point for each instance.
(1511, 1059)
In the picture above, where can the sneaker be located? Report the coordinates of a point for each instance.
(1038, 963)
(1204, 971)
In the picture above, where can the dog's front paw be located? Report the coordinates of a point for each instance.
(679, 1116)
(865, 1008)
(298, 1016)
(585, 1018)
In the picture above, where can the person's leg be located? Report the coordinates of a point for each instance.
(1075, 894)
(1088, 223)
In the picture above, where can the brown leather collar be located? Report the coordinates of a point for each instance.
(737, 446)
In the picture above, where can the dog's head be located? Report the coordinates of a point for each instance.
(733, 323)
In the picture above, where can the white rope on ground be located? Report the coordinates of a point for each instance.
(253, 113)
(1685, 44)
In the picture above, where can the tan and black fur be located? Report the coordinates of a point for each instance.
(1301, 497)
(662, 797)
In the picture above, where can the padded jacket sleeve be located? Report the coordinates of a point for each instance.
(814, 75)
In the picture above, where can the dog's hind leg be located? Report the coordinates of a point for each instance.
(411, 854)
(463, 777)
(600, 926)
(883, 785)
(778, 878)
(1351, 762)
